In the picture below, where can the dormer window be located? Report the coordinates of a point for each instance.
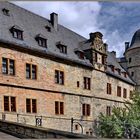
(41, 40)
(62, 48)
(112, 68)
(125, 74)
(17, 32)
(79, 53)
(5, 12)
(119, 71)
(48, 28)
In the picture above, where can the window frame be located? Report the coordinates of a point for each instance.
(87, 83)
(8, 67)
(29, 107)
(10, 103)
(59, 77)
(86, 109)
(30, 72)
(59, 108)
(118, 91)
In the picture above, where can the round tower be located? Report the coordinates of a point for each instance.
(132, 55)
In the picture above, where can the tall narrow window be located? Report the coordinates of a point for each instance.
(108, 88)
(31, 71)
(11, 67)
(103, 60)
(96, 57)
(28, 105)
(13, 104)
(34, 71)
(6, 103)
(59, 108)
(124, 93)
(4, 65)
(118, 91)
(28, 71)
(31, 106)
(8, 66)
(59, 77)
(9, 103)
(34, 108)
(87, 83)
(131, 94)
(86, 109)
(108, 110)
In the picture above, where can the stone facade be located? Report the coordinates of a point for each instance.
(44, 90)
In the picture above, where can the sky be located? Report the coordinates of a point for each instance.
(117, 21)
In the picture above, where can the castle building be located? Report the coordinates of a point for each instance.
(50, 72)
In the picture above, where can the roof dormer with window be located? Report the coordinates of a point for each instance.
(17, 32)
(5, 12)
(41, 40)
(62, 47)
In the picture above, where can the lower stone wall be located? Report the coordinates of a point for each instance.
(27, 131)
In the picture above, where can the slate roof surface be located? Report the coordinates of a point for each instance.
(33, 24)
(135, 42)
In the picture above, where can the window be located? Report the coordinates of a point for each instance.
(80, 55)
(130, 60)
(86, 109)
(125, 74)
(59, 108)
(62, 48)
(124, 93)
(31, 106)
(5, 12)
(112, 68)
(48, 28)
(8, 66)
(76, 126)
(96, 57)
(9, 103)
(59, 77)
(78, 84)
(132, 73)
(119, 71)
(108, 88)
(118, 91)
(131, 94)
(31, 71)
(41, 40)
(17, 32)
(103, 59)
(87, 83)
(108, 110)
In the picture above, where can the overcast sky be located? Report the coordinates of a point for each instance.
(116, 20)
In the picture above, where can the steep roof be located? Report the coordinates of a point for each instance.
(135, 42)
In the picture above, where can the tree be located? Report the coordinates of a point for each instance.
(123, 123)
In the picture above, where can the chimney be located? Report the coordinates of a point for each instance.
(126, 45)
(114, 53)
(54, 20)
(95, 35)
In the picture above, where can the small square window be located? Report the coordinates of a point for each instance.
(48, 28)
(5, 12)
